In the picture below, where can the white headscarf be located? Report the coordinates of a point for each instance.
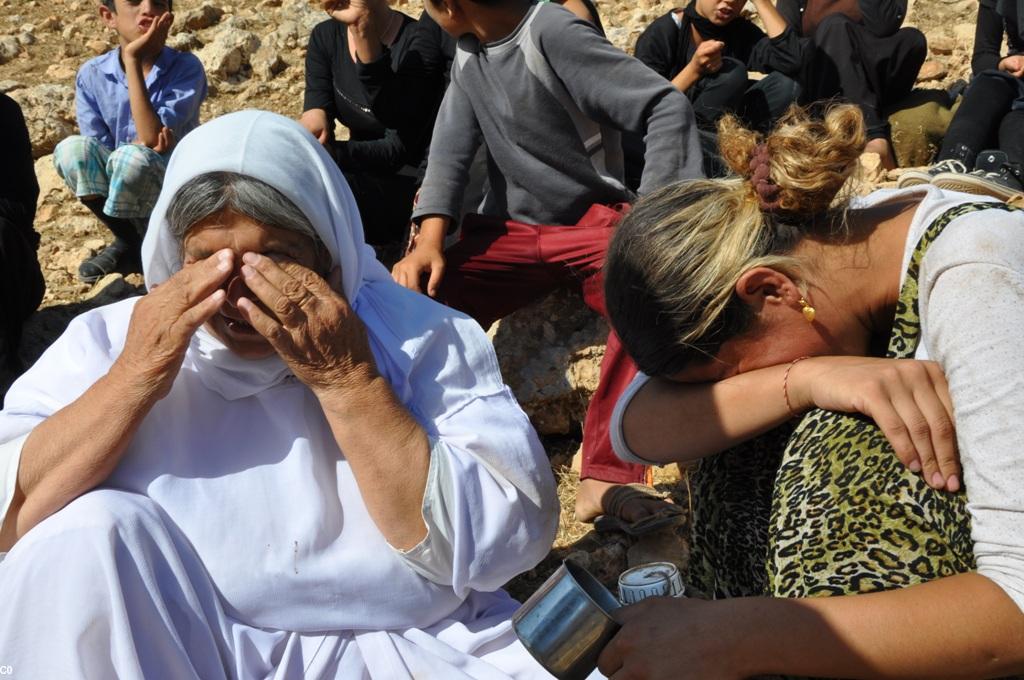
(280, 152)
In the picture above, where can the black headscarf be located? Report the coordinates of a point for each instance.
(707, 29)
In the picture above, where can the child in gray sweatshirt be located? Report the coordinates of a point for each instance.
(547, 96)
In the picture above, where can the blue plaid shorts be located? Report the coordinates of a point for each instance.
(129, 177)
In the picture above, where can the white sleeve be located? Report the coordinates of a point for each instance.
(615, 432)
(489, 504)
(973, 321)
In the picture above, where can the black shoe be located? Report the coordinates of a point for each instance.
(959, 161)
(104, 262)
(993, 175)
(912, 178)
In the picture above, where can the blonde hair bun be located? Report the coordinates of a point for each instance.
(810, 157)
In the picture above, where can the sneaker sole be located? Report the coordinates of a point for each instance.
(913, 178)
(973, 185)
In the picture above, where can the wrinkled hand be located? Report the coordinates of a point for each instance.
(309, 323)
(315, 120)
(664, 638)
(423, 258)
(707, 59)
(152, 41)
(1014, 65)
(164, 321)
(908, 400)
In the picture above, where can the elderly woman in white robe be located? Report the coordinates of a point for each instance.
(276, 464)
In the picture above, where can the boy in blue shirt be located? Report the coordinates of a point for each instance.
(132, 104)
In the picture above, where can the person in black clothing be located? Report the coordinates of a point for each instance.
(349, 61)
(858, 51)
(706, 51)
(21, 281)
(983, 151)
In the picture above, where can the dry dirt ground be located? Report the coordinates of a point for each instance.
(254, 51)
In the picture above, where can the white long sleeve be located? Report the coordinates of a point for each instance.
(486, 521)
(972, 309)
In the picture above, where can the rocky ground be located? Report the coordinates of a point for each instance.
(253, 51)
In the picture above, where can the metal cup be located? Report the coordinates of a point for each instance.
(567, 622)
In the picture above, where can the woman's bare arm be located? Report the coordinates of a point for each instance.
(961, 626)
(908, 400)
(668, 421)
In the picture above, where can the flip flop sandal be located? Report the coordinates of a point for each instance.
(668, 516)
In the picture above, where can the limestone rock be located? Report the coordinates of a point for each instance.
(871, 169)
(941, 45)
(287, 36)
(97, 47)
(964, 33)
(50, 114)
(51, 186)
(550, 355)
(186, 41)
(9, 48)
(307, 16)
(932, 70)
(60, 72)
(267, 63)
(198, 18)
(51, 23)
(229, 52)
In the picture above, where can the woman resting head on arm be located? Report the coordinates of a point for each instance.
(715, 278)
(716, 288)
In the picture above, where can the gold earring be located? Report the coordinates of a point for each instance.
(807, 310)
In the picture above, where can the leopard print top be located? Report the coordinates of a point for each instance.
(827, 508)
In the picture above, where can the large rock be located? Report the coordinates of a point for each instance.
(51, 186)
(50, 114)
(550, 355)
(198, 18)
(267, 63)
(306, 15)
(9, 48)
(229, 52)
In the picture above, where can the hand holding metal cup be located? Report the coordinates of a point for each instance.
(567, 622)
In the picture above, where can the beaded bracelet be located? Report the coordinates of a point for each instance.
(785, 384)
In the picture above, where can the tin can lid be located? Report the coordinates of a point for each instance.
(647, 574)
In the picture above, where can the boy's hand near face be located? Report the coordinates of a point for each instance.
(426, 256)
(148, 45)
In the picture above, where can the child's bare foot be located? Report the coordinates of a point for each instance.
(883, 148)
(592, 494)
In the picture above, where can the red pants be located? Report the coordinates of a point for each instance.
(500, 266)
